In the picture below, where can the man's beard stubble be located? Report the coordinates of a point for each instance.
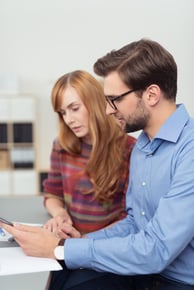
(139, 119)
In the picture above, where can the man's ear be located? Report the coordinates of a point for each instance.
(153, 93)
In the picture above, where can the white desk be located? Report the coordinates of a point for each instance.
(28, 209)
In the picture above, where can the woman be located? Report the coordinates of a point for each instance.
(88, 177)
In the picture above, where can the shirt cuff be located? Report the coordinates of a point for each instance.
(76, 252)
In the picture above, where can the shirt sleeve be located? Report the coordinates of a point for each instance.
(120, 229)
(53, 184)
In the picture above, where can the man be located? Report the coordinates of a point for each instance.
(153, 248)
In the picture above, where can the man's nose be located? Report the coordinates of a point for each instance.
(109, 110)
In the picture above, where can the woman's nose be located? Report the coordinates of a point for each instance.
(68, 119)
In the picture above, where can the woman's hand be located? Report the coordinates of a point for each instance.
(57, 221)
(61, 228)
(65, 231)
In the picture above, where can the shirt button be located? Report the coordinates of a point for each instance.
(143, 213)
(143, 183)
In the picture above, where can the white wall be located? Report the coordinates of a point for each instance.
(43, 39)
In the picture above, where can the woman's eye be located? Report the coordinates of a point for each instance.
(75, 108)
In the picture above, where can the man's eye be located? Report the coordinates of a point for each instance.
(119, 99)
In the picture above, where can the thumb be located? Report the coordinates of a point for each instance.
(27, 228)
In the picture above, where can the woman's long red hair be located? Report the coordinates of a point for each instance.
(108, 139)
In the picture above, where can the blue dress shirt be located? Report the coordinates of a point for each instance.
(157, 236)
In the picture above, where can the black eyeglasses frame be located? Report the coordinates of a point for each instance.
(111, 99)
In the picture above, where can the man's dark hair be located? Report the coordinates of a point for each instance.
(140, 64)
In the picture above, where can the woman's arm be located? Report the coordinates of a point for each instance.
(56, 208)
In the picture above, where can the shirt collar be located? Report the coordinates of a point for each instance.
(170, 130)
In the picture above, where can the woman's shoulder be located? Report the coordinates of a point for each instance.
(131, 140)
(56, 145)
(130, 143)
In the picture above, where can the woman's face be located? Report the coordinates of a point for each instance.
(75, 114)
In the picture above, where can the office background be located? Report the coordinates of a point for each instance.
(43, 39)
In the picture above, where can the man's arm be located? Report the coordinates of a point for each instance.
(119, 229)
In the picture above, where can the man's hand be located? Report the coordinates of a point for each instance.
(34, 241)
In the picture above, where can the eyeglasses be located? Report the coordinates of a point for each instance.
(111, 99)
